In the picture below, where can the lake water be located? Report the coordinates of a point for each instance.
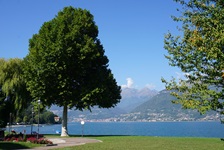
(178, 129)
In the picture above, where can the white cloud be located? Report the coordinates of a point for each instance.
(129, 84)
(150, 86)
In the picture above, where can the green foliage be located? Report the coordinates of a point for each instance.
(18, 119)
(25, 119)
(66, 64)
(198, 52)
(13, 84)
(4, 110)
(46, 117)
(49, 117)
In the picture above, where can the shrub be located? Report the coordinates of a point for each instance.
(31, 139)
(39, 141)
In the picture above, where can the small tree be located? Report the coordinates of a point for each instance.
(66, 65)
(199, 53)
(48, 117)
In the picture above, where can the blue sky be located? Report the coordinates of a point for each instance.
(132, 33)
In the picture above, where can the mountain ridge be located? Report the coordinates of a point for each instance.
(140, 105)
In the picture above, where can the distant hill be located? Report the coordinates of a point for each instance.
(140, 105)
(160, 108)
(131, 98)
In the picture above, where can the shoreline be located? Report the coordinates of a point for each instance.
(42, 125)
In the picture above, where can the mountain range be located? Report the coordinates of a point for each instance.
(140, 105)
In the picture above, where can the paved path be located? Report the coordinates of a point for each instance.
(65, 142)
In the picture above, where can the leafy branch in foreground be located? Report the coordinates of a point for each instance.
(199, 53)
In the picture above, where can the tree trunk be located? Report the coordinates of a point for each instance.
(64, 129)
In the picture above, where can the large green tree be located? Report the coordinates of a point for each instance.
(14, 95)
(199, 53)
(66, 65)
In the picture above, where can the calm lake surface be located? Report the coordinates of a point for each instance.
(178, 129)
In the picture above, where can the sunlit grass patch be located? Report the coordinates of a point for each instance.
(151, 143)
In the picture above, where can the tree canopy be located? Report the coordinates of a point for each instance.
(12, 82)
(66, 64)
(199, 53)
(14, 96)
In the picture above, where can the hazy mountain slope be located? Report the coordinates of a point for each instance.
(95, 114)
(131, 98)
(160, 108)
(140, 105)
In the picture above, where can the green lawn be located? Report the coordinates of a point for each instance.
(17, 145)
(151, 143)
(134, 143)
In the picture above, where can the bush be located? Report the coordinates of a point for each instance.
(39, 141)
(31, 139)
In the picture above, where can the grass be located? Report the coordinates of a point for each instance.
(132, 143)
(17, 145)
(151, 143)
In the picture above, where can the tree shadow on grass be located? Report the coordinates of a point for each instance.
(11, 145)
